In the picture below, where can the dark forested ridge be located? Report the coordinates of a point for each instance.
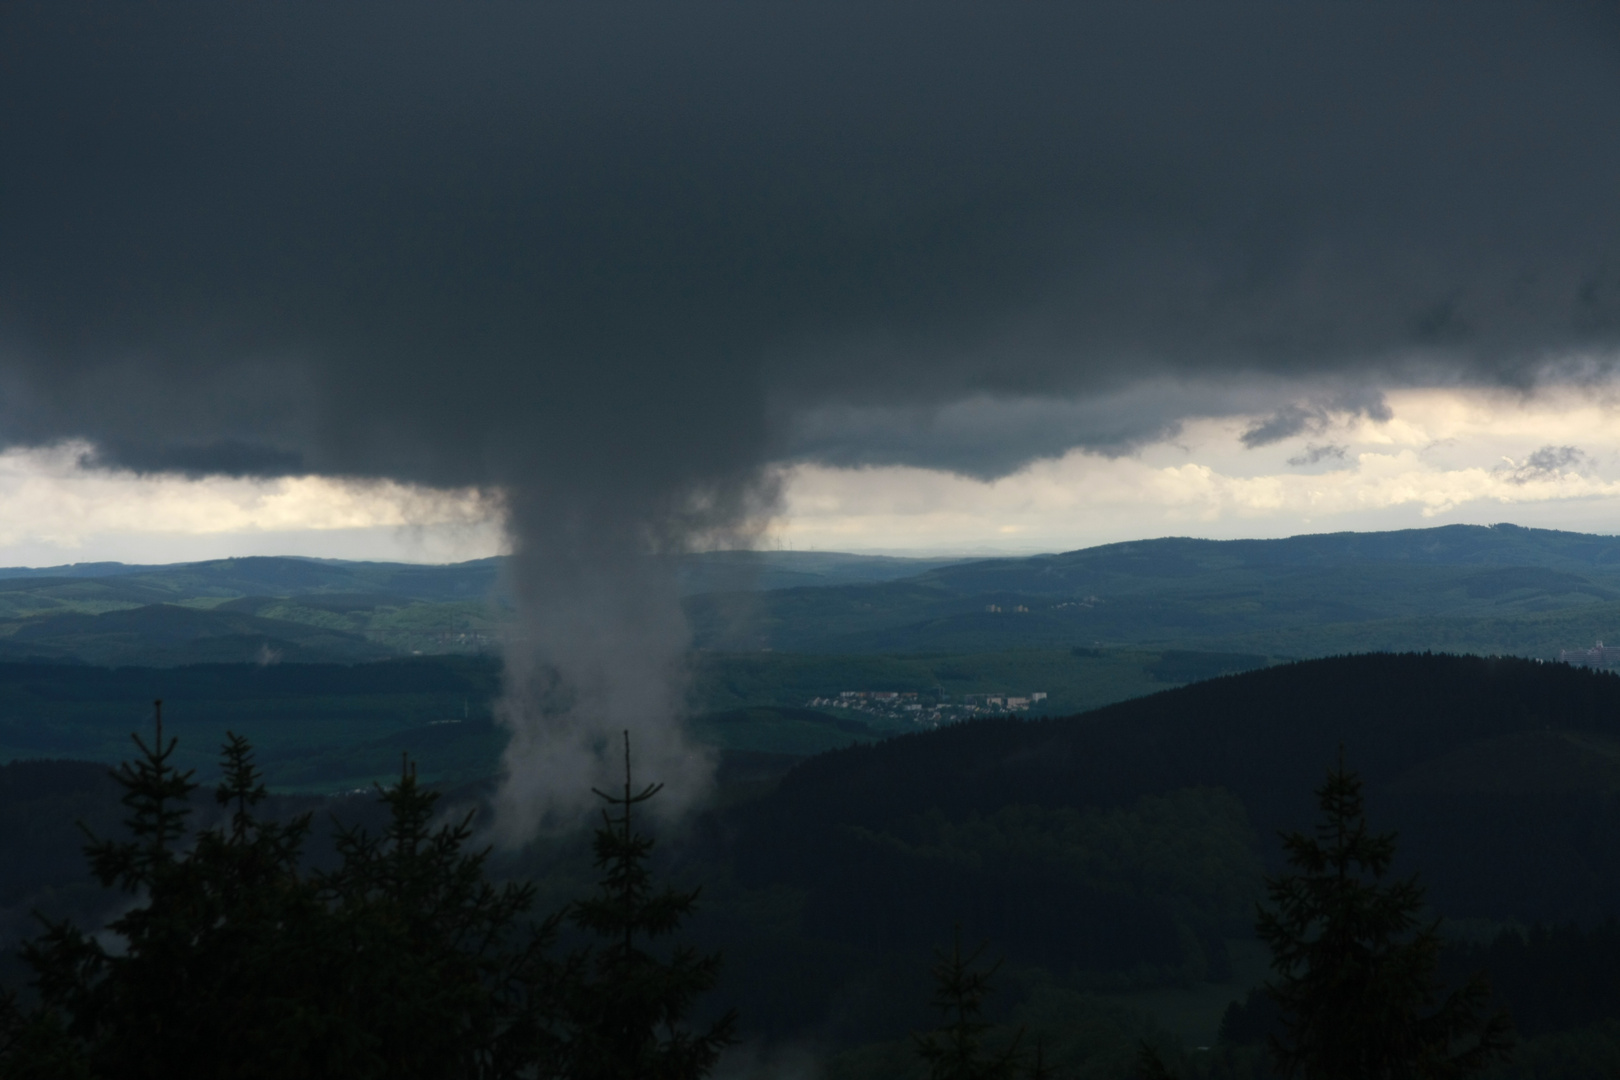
(1257, 733)
(1502, 777)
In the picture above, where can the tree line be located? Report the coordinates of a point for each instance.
(234, 961)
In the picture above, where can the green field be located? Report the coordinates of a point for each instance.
(336, 727)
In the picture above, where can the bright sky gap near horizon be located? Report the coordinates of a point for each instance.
(1549, 459)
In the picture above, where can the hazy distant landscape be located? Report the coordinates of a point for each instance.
(333, 667)
(268, 609)
(1491, 590)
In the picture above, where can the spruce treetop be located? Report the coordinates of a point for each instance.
(1355, 960)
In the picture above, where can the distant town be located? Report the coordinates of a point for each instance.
(930, 709)
(1598, 656)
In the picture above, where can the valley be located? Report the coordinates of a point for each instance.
(885, 770)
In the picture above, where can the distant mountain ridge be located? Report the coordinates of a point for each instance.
(294, 575)
(1457, 588)
(1461, 588)
(1446, 545)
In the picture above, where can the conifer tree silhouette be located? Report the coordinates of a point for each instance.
(628, 1007)
(442, 975)
(402, 963)
(1355, 964)
(214, 977)
(956, 1051)
(1149, 1065)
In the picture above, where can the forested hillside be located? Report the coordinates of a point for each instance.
(1504, 589)
(1120, 852)
(1113, 857)
(1501, 774)
(1459, 588)
(313, 610)
(330, 727)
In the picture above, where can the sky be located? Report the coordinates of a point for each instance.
(765, 274)
(320, 280)
(1549, 459)
(594, 284)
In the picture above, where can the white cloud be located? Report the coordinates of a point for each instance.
(54, 509)
(1439, 456)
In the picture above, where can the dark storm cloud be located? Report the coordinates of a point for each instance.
(1286, 422)
(439, 240)
(612, 259)
(1314, 418)
(983, 436)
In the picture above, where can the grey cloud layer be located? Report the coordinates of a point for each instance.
(1294, 419)
(657, 246)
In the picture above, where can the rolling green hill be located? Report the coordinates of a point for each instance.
(159, 634)
(234, 610)
(239, 610)
(1463, 588)
(1503, 589)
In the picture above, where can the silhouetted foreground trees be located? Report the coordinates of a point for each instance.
(1561, 985)
(957, 1050)
(962, 1047)
(1357, 986)
(624, 1005)
(403, 962)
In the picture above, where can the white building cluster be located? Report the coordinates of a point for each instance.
(1598, 656)
(926, 709)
